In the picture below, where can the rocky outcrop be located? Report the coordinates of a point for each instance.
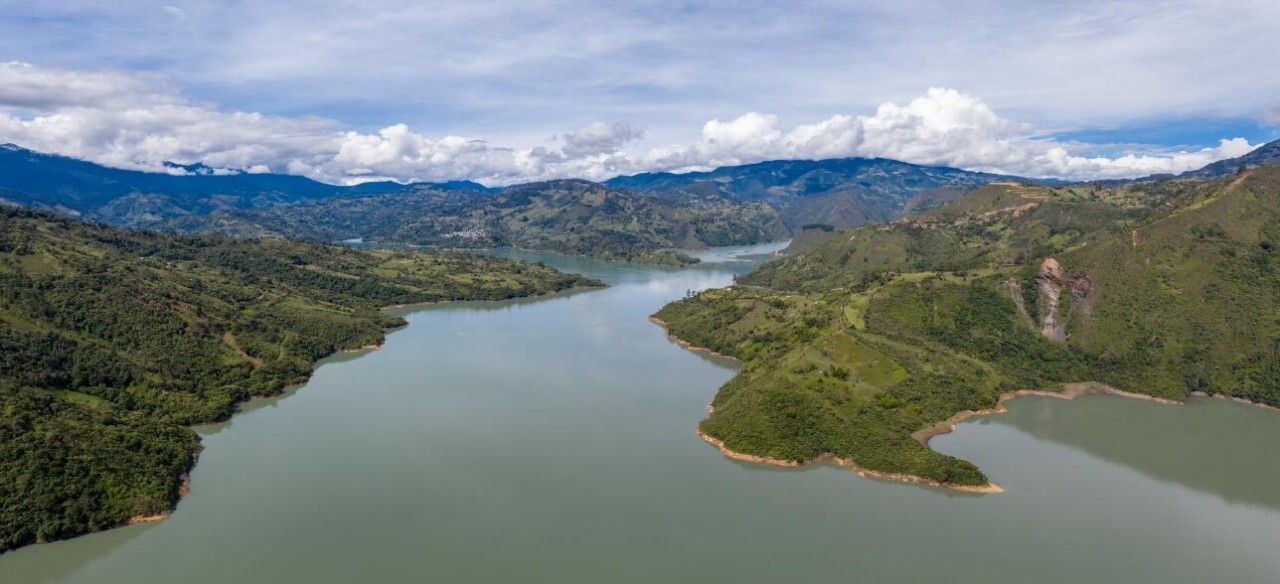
(1050, 281)
(1055, 313)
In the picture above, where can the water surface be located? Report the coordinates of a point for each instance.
(552, 441)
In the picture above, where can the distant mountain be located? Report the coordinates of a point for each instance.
(568, 216)
(141, 199)
(1268, 154)
(842, 192)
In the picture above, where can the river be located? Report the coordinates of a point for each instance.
(552, 440)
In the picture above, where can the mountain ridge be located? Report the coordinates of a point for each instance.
(572, 216)
(843, 192)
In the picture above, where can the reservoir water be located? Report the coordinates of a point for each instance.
(552, 441)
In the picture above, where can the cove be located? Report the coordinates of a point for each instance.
(552, 440)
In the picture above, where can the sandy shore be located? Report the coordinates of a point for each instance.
(1236, 399)
(1069, 391)
(849, 464)
(183, 490)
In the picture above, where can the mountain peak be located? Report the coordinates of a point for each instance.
(198, 168)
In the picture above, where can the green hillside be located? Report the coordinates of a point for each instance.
(112, 342)
(567, 216)
(857, 346)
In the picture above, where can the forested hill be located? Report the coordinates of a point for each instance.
(862, 344)
(567, 216)
(843, 192)
(112, 342)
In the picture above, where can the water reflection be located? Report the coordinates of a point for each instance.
(59, 561)
(1211, 445)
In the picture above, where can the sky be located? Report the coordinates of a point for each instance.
(504, 92)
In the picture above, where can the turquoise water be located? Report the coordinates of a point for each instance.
(552, 441)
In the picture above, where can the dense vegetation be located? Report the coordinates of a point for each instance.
(569, 216)
(869, 338)
(112, 342)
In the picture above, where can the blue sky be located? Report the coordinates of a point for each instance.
(510, 91)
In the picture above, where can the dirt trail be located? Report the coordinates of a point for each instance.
(230, 341)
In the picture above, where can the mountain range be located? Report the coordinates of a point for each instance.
(644, 217)
(840, 192)
(639, 218)
(567, 216)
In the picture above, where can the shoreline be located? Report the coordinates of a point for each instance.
(369, 347)
(1069, 391)
(863, 472)
(686, 344)
(185, 488)
(543, 295)
(1236, 399)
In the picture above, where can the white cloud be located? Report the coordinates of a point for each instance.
(138, 121)
(23, 85)
(600, 138)
(526, 67)
(942, 127)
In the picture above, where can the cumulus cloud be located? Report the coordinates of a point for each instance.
(600, 138)
(942, 127)
(138, 121)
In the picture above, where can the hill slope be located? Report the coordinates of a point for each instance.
(112, 342)
(862, 346)
(840, 192)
